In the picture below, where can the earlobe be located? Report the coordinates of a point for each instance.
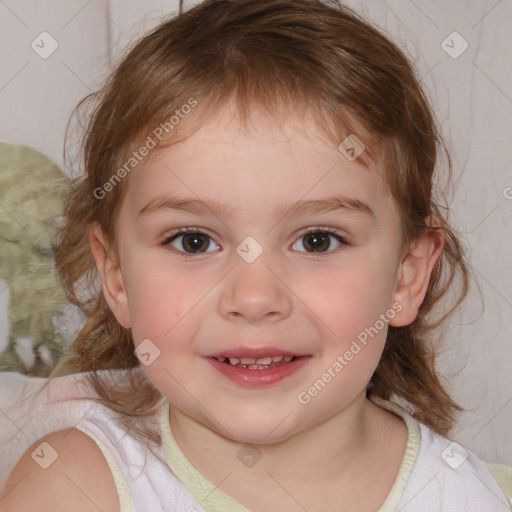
(414, 275)
(110, 273)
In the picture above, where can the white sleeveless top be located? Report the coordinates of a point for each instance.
(436, 475)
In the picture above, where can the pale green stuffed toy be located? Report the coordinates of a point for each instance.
(32, 191)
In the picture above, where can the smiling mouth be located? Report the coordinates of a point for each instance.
(256, 363)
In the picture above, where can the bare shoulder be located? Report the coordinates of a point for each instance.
(64, 470)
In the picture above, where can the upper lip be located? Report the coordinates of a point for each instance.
(253, 352)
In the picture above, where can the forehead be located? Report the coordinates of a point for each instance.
(267, 159)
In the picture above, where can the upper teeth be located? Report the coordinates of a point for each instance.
(256, 360)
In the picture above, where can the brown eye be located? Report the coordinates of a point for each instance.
(195, 243)
(191, 242)
(318, 241)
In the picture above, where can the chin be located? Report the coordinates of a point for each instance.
(252, 435)
(254, 430)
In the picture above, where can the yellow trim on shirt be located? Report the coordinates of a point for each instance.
(503, 476)
(125, 500)
(205, 492)
(409, 458)
(215, 500)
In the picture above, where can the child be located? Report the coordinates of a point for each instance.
(258, 204)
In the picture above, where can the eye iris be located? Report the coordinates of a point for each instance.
(195, 242)
(317, 242)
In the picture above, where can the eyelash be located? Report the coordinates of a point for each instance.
(190, 230)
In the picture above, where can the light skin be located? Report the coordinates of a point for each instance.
(290, 297)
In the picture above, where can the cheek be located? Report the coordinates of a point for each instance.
(159, 298)
(354, 311)
(351, 299)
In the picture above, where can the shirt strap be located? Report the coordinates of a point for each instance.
(503, 476)
(125, 500)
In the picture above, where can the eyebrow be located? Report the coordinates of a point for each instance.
(196, 206)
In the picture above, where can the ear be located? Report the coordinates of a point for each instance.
(414, 274)
(110, 273)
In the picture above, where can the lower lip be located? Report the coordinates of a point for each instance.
(257, 378)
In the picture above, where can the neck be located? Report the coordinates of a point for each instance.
(329, 448)
(352, 457)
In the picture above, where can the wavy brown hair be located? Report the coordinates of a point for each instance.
(316, 58)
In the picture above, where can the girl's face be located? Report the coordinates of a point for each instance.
(291, 250)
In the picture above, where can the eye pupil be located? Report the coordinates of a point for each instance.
(318, 242)
(195, 242)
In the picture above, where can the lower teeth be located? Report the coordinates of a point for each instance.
(257, 366)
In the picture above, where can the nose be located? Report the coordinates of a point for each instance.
(254, 293)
